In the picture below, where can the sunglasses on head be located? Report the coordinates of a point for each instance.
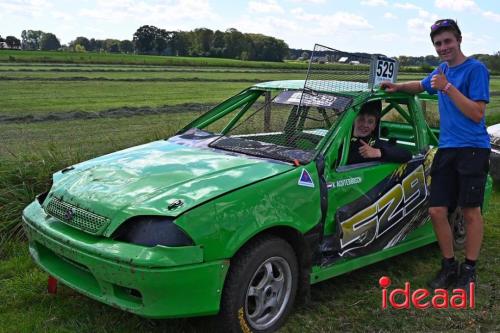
(443, 23)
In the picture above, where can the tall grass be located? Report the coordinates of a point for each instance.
(24, 176)
(27, 173)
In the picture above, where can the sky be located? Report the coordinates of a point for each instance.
(392, 28)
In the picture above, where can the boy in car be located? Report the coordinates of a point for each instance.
(461, 164)
(365, 145)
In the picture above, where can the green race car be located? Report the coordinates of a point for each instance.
(242, 210)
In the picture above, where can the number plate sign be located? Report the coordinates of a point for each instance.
(383, 69)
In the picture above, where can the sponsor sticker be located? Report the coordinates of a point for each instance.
(346, 182)
(305, 179)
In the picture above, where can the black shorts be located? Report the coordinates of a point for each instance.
(459, 177)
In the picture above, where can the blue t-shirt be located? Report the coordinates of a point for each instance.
(472, 79)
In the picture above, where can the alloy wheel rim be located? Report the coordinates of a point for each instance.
(268, 293)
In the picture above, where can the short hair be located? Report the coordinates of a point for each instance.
(445, 25)
(371, 108)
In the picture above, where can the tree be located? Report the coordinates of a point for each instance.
(180, 43)
(162, 40)
(49, 42)
(12, 42)
(96, 45)
(201, 40)
(126, 46)
(494, 62)
(144, 38)
(83, 41)
(30, 39)
(112, 45)
(79, 48)
(218, 39)
(233, 40)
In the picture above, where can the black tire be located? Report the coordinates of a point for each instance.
(242, 312)
(457, 224)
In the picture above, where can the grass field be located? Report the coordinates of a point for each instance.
(57, 114)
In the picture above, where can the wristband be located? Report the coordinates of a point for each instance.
(447, 87)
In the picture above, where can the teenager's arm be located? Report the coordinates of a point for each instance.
(474, 110)
(471, 109)
(412, 87)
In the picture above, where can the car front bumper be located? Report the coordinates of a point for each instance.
(154, 282)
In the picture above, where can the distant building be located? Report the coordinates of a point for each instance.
(3, 45)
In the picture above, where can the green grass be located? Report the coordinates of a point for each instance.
(348, 303)
(130, 59)
(36, 97)
(156, 75)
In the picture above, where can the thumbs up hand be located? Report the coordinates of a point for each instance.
(439, 81)
(368, 151)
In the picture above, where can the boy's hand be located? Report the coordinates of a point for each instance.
(439, 81)
(368, 151)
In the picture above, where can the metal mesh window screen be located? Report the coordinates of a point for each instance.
(292, 126)
(334, 71)
(277, 127)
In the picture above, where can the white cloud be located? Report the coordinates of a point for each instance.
(421, 25)
(407, 5)
(492, 16)
(456, 5)
(153, 12)
(302, 2)
(301, 29)
(424, 13)
(374, 3)
(58, 15)
(30, 8)
(346, 20)
(386, 38)
(390, 16)
(266, 6)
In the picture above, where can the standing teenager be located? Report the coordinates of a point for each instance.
(461, 164)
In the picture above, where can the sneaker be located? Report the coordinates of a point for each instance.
(446, 277)
(466, 275)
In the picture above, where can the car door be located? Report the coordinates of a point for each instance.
(375, 205)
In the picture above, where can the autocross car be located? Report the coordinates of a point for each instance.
(242, 210)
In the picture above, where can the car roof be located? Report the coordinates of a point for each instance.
(354, 90)
(349, 88)
(327, 86)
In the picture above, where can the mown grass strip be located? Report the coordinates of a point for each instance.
(33, 97)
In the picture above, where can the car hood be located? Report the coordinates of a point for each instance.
(145, 180)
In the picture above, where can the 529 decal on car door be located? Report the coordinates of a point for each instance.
(386, 214)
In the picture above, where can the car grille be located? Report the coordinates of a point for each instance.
(77, 217)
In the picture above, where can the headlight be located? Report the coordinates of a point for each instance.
(152, 231)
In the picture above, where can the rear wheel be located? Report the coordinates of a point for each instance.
(260, 288)
(457, 224)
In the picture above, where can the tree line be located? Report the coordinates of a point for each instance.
(148, 39)
(201, 42)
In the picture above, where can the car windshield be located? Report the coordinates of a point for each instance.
(289, 126)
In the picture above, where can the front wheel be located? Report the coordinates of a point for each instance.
(261, 286)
